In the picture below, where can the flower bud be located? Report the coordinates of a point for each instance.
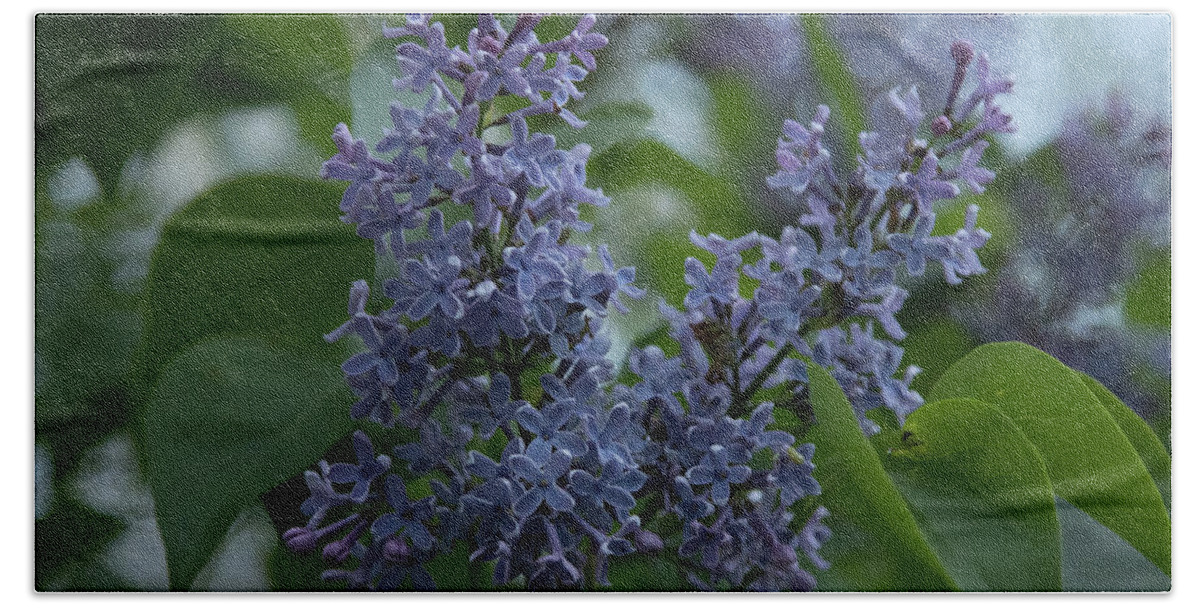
(962, 51)
(396, 550)
(941, 125)
(647, 542)
(300, 540)
(337, 551)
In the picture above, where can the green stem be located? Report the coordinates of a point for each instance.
(740, 403)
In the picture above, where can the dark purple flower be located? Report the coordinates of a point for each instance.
(369, 467)
(714, 470)
(407, 518)
(542, 472)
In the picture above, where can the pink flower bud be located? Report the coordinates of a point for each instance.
(941, 125)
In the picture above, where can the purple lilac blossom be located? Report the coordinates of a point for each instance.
(480, 307)
(828, 290)
(496, 331)
(476, 304)
(819, 291)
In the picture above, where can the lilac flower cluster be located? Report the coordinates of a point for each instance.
(1079, 244)
(495, 330)
(494, 354)
(822, 288)
(816, 292)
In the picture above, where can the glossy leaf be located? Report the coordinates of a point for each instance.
(1096, 559)
(1090, 461)
(230, 418)
(876, 544)
(980, 494)
(259, 256)
(1143, 439)
(264, 261)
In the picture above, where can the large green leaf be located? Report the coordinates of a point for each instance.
(981, 496)
(1143, 439)
(876, 544)
(264, 261)
(261, 256)
(230, 418)
(1090, 461)
(1096, 559)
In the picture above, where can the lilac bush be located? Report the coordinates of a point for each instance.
(494, 351)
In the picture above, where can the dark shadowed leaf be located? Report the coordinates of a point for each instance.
(1096, 559)
(981, 496)
(230, 418)
(1090, 461)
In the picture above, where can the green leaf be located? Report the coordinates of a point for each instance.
(1096, 559)
(264, 262)
(1148, 299)
(305, 59)
(260, 256)
(230, 418)
(654, 233)
(1089, 459)
(876, 544)
(981, 496)
(849, 117)
(1139, 434)
(934, 347)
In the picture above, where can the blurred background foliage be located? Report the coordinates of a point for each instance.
(187, 260)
